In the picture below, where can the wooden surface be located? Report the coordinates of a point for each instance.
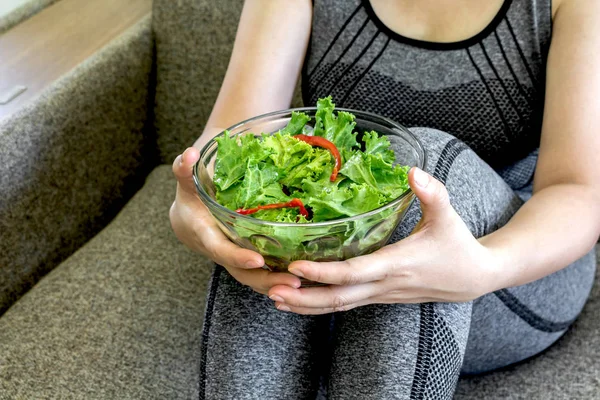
(51, 43)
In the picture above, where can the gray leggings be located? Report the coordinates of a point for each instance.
(252, 351)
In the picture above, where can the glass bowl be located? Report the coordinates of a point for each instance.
(333, 240)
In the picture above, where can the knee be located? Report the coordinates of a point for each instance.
(435, 141)
(442, 148)
(431, 135)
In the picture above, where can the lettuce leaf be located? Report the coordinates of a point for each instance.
(392, 182)
(345, 202)
(374, 167)
(229, 167)
(358, 169)
(338, 130)
(286, 152)
(379, 147)
(252, 171)
(228, 197)
(311, 168)
(296, 124)
(260, 187)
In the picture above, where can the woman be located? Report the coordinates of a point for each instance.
(491, 265)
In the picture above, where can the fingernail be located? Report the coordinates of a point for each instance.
(253, 264)
(281, 307)
(183, 155)
(421, 177)
(276, 298)
(296, 272)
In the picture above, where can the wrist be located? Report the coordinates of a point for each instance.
(499, 265)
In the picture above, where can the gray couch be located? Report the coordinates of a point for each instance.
(98, 300)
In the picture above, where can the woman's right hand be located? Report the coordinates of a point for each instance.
(195, 227)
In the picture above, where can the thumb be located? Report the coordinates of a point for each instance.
(183, 169)
(432, 194)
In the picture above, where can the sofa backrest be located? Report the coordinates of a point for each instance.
(193, 44)
(194, 39)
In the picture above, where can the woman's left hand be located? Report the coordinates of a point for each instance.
(441, 261)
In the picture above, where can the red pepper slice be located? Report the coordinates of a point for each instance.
(319, 141)
(292, 203)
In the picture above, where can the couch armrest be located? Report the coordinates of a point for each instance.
(72, 158)
(22, 12)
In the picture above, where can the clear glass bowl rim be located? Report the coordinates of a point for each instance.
(209, 201)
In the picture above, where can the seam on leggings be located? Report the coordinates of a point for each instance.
(424, 352)
(446, 360)
(427, 318)
(210, 305)
(527, 315)
(452, 149)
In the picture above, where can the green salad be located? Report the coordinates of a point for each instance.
(309, 171)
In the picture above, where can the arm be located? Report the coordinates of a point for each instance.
(562, 219)
(267, 56)
(560, 223)
(265, 64)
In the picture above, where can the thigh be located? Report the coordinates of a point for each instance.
(250, 350)
(403, 351)
(516, 323)
(429, 336)
(399, 351)
(484, 201)
(513, 324)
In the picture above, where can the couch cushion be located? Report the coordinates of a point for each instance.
(121, 318)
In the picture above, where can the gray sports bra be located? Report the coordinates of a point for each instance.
(487, 90)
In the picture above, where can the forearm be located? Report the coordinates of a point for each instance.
(265, 63)
(558, 225)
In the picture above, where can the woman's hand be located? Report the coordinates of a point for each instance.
(440, 261)
(196, 228)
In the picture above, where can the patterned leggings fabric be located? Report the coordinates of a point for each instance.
(252, 351)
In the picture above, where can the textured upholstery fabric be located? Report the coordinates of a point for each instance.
(23, 12)
(120, 319)
(193, 45)
(71, 159)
